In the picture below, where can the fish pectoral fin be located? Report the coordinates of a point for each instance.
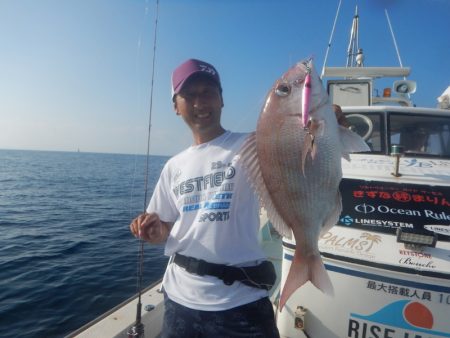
(307, 148)
(315, 128)
(313, 150)
(351, 142)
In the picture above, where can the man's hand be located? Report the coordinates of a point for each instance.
(149, 227)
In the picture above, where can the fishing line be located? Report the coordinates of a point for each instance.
(252, 281)
(137, 329)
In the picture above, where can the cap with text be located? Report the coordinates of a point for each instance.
(189, 68)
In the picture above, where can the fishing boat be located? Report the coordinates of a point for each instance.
(389, 255)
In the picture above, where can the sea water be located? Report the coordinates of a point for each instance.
(66, 252)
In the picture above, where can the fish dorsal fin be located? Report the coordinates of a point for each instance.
(250, 162)
(351, 142)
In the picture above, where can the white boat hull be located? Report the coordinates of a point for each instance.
(369, 302)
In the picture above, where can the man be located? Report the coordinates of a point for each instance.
(415, 139)
(204, 209)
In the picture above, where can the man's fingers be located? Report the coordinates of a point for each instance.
(138, 223)
(146, 226)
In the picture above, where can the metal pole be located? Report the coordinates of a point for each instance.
(331, 38)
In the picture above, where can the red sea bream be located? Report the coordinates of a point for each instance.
(294, 162)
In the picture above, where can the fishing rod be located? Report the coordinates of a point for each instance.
(137, 329)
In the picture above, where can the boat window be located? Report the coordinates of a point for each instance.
(370, 127)
(421, 134)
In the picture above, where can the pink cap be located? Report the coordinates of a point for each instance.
(189, 68)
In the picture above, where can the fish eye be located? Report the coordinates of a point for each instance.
(283, 89)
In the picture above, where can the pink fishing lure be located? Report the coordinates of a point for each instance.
(306, 99)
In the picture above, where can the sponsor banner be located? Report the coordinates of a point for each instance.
(387, 206)
(379, 248)
(399, 319)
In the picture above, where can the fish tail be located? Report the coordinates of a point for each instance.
(305, 269)
(319, 276)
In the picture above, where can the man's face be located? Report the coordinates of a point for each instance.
(200, 105)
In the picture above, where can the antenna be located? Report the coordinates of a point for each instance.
(393, 38)
(353, 46)
(331, 38)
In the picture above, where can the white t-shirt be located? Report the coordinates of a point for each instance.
(205, 192)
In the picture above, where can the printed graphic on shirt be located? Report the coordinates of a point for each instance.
(210, 195)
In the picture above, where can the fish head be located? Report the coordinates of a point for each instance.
(286, 98)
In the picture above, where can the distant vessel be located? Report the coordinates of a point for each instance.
(389, 255)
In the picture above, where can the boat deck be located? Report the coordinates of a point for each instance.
(112, 323)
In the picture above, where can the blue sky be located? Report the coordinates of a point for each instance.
(76, 74)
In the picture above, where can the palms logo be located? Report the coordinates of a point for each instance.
(347, 220)
(372, 238)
